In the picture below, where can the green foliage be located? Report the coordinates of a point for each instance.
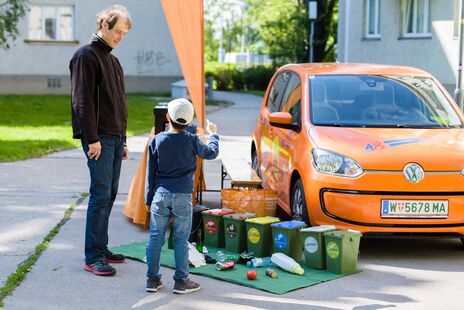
(11, 11)
(33, 126)
(228, 77)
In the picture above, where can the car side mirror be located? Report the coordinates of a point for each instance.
(282, 120)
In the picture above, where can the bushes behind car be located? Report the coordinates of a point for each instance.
(228, 77)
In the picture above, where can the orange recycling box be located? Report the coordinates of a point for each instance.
(261, 202)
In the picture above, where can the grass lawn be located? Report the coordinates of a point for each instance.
(32, 125)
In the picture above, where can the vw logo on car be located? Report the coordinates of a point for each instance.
(413, 172)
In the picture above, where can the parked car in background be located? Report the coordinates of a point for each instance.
(375, 148)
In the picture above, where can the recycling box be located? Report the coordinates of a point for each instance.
(314, 245)
(342, 248)
(235, 231)
(214, 227)
(259, 235)
(286, 238)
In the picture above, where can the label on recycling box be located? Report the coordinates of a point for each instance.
(332, 250)
(231, 230)
(280, 240)
(311, 245)
(210, 226)
(253, 235)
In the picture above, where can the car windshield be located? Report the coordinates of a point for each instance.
(374, 101)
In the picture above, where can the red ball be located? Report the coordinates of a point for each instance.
(251, 275)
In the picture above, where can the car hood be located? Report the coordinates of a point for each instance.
(392, 148)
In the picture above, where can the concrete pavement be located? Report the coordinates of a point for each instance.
(404, 274)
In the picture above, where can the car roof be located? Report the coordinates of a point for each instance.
(354, 68)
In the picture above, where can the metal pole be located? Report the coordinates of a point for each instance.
(311, 35)
(458, 91)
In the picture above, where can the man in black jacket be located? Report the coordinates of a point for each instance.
(99, 119)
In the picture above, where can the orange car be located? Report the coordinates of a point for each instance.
(375, 148)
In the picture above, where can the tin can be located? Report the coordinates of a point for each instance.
(225, 265)
(271, 272)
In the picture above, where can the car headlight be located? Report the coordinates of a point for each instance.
(332, 163)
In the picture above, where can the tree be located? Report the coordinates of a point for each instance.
(325, 30)
(11, 11)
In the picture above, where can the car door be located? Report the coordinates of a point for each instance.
(286, 140)
(267, 168)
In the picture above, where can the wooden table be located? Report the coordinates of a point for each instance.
(240, 174)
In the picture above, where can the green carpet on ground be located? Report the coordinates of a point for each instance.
(284, 282)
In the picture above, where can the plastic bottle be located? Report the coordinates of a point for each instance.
(223, 257)
(259, 261)
(287, 263)
(199, 241)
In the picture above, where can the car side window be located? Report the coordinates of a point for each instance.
(291, 101)
(276, 92)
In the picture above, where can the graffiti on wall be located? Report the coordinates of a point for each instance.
(149, 62)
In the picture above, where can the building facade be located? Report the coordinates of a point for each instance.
(417, 33)
(52, 30)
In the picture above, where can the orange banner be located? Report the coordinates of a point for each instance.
(185, 21)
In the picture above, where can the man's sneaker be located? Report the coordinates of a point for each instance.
(184, 287)
(114, 258)
(100, 268)
(153, 284)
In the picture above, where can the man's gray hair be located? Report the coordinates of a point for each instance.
(111, 15)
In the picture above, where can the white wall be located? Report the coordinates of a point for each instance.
(147, 50)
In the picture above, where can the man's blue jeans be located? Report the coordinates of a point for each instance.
(104, 181)
(163, 207)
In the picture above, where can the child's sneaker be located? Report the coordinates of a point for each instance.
(100, 268)
(114, 258)
(185, 287)
(153, 284)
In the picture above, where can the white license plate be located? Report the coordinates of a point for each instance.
(414, 208)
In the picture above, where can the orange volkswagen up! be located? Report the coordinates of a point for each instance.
(375, 148)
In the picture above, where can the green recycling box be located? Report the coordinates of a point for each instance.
(314, 245)
(341, 247)
(235, 231)
(214, 227)
(259, 235)
(286, 238)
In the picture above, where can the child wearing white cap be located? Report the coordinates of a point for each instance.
(171, 165)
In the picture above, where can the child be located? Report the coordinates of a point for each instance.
(171, 164)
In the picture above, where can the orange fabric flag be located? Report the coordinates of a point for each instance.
(185, 21)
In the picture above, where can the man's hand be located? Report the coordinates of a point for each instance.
(125, 153)
(148, 208)
(94, 150)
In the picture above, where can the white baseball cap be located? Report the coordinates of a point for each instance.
(181, 111)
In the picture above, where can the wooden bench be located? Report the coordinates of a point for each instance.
(240, 174)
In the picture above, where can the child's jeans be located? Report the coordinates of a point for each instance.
(165, 205)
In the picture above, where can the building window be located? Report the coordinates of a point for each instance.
(51, 23)
(416, 18)
(372, 18)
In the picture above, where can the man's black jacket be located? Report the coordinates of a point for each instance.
(98, 96)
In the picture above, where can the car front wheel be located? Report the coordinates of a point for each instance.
(299, 210)
(254, 162)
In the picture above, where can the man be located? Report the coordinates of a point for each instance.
(99, 119)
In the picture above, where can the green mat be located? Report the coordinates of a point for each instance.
(284, 282)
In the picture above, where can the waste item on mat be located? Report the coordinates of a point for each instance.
(195, 258)
(225, 265)
(287, 263)
(252, 274)
(223, 257)
(271, 273)
(245, 257)
(259, 262)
